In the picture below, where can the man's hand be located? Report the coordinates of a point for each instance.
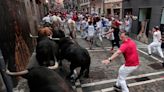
(105, 61)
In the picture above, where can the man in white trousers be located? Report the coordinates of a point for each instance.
(156, 44)
(131, 61)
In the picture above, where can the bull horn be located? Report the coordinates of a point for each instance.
(17, 73)
(33, 36)
(54, 67)
(55, 38)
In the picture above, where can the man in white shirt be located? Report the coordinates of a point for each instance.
(99, 29)
(156, 44)
(84, 25)
(91, 32)
(47, 19)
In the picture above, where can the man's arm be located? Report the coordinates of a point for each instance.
(117, 53)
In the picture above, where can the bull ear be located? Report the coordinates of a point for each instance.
(17, 73)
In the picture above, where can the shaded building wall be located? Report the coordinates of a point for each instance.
(35, 12)
(135, 5)
(15, 43)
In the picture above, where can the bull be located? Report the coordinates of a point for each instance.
(46, 52)
(42, 79)
(74, 53)
(58, 33)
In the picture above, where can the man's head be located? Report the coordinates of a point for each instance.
(156, 27)
(123, 36)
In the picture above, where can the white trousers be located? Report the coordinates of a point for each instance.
(156, 46)
(124, 71)
(98, 34)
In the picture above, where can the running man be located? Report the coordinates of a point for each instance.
(156, 44)
(131, 61)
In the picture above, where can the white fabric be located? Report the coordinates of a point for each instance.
(59, 18)
(110, 35)
(99, 30)
(83, 24)
(78, 25)
(157, 46)
(156, 36)
(47, 19)
(99, 25)
(91, 30)
(71, 21)
(55, 18)
(123, 73)
(71, 25)
(110, 23)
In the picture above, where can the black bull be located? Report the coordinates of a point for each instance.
(78, 56)
(46, 51)
(42, 79)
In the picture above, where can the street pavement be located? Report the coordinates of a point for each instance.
(149, 77)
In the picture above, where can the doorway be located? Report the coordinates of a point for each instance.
(108, 11)
(127, 12)
(162, 27)
(117, 12)
(143, 24)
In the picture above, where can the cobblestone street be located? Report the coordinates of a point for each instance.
(149, 77)
(39, 34)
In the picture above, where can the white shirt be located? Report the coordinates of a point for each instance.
(99, 25)
(55, 18)
(83, 24)
(110, 23)
(91, 30)
(47, 19)
(71, 21)
(157, 36)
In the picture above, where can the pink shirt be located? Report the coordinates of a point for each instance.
(129, 50)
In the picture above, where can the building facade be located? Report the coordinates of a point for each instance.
(150, 13)
(106, 7)
(71, 5)
(113, 7)
(85, 5)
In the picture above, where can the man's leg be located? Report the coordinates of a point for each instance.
(123, 73)
(151, 45)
